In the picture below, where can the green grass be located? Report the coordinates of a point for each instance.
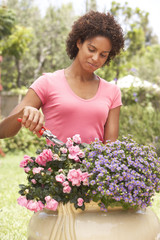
(14, 218)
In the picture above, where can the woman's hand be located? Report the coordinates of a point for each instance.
(32, 119)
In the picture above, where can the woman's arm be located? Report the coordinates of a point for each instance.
(32, 118)
(111, 129)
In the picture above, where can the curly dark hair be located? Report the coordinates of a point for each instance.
(93, 24)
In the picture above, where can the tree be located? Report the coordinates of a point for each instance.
(28, 16)
(148, 64)
(91, 5)
(51, 54)
(47, 48)
(7, 22)
(16, 45)
(26, 13)
(135, 23)
(138, 36)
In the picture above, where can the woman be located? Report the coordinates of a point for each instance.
(75, 100)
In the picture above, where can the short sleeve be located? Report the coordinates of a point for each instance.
(40, 88)
(117, 101)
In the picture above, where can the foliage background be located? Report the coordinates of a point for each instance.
(36, 43)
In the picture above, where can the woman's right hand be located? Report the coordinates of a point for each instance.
(32, 119)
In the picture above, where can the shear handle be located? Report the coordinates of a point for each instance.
(41, 131)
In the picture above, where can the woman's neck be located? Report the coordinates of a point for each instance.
(75, 71)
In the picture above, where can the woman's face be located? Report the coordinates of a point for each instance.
(93, 52)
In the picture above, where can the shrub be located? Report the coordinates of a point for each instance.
(142, 123)
(142, 96)
(24, 141)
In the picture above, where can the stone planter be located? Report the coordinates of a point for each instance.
(92, 224)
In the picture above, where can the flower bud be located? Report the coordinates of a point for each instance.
(26, 191)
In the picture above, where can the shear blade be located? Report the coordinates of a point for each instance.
(52, 137)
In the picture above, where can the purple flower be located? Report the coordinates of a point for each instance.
(134, 94)
(116, 79)
(134, 70)
(94, 192)
(93, 182)
(130, 187)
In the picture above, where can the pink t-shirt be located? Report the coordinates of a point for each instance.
(66, 114)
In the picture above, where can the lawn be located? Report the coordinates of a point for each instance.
(14, 218)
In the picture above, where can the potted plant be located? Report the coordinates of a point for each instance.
(65, 180)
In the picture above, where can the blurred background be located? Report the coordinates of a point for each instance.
(32, 41)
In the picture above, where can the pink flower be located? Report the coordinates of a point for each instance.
(35, 206)
(49, 169)
(67, 189)
(81, 154)
(63, 150)
(37, 170)
(80, 202)
(74, 157)
(32, 205)
(41, 205)
(65, 184)
(48, 198)
(25, 161)
(22, 201)
(44, 157)
(85, 182)
(84, 176)
(60, 178)
(33, 181)
(47, 154)
(74, 152)
(69, 143)
(77, 138)
(52, 204)
(39, 160)
(74, 176)
(27, 169)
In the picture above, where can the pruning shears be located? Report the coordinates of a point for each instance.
(44, 132)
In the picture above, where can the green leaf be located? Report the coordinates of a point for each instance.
(22, 186)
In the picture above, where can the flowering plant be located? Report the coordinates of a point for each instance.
(121, 173)
(55, 175)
